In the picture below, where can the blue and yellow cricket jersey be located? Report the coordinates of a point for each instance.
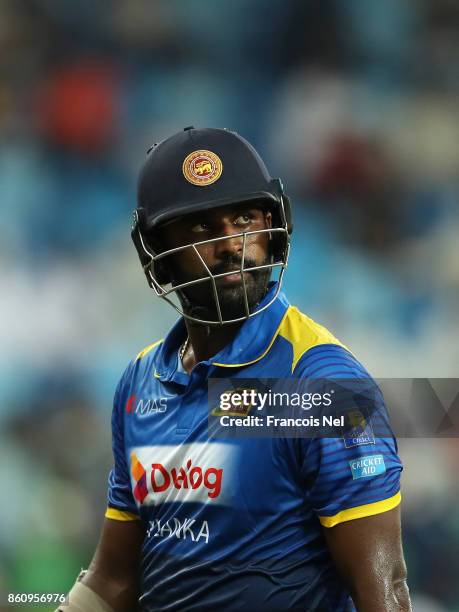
(238, 524)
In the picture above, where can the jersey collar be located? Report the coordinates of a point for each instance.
(252, 342)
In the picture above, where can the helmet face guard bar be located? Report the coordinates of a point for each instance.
(150, 261)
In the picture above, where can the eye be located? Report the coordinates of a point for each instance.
(243, 220)
(200, 227)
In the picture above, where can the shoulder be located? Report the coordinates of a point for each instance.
(315, 350)
(146, 360)
(148, 350)
(141, 363)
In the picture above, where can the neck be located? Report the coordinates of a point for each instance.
(206, 341)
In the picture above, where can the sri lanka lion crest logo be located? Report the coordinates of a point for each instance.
(202, 168)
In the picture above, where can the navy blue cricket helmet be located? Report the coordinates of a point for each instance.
(196, 170)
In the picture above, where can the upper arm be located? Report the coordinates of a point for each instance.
(353, 485)
(368, 554)
(357, 474)
(113, 572)
(121, 502)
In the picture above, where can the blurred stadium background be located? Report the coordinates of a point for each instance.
(354, 104)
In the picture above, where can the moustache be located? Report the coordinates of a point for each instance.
(232, 264)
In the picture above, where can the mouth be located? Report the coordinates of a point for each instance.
(232, 276)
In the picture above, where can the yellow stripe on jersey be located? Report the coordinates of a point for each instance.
(304, 333)
(362, 511)
(148, 348)
(265, 352)
(300, 331)
(120, 515)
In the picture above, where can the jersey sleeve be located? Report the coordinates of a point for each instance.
(121, 505)
(353, 476)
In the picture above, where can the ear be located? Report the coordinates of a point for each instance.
(269, 222)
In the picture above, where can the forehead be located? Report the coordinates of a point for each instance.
(213, 214)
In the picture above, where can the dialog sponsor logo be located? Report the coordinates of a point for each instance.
(184, 477)
(185, 473)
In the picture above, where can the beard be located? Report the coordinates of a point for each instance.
(198, 301)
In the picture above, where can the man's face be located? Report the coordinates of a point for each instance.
(221, 256)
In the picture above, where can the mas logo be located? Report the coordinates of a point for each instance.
(144, 406)
(202, 168)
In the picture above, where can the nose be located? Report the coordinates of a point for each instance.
(231, 245)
